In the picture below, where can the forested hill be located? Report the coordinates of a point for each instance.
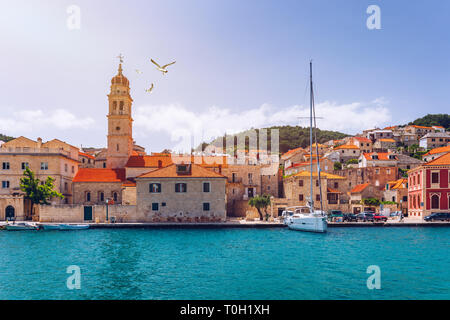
(433, 120)
(5, 138)
(292, 137)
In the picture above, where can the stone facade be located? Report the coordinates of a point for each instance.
(55, 159)
(159, 200)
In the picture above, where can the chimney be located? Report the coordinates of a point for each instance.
(39, 143)
(159, 164)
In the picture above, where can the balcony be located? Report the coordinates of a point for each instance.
(235, 180)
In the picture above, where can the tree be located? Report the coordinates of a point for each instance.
(337, 166)
(260, 203)
(36, 191)
(371, 202)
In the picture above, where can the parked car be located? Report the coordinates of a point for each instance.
(438, 216)
(365, 216)
(350, 217)
(335, 215)
(379, 217)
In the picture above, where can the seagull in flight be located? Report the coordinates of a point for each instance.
(163, 68)
(150, 89)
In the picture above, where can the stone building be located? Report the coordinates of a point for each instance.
(96, 186)
(348, 152)
(181, 193)
(384, 145)
(334, 190)
(363, 191)
(376, 176)
(365, 145)
(435, 140)
(292, 156)
(397, 191)
(55, 158)
(378, 159)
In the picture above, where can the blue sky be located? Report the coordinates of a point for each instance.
(240, 64)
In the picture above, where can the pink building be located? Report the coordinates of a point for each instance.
(429, 187)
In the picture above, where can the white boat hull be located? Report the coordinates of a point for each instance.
(20, 227)
(310, 224)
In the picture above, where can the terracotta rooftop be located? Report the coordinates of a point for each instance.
(381, 155)
(438, 150)
(153, 161)
(442, 160)
(346, 146)
(87, 155)
(362, 139)
(171, 172)
(148, 161)
(326, 175)
(359, 188)
(387, 140)
(292, 151)
(99, 175)
(398, 184)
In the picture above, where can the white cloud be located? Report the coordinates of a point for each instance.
(183, 125)
(27, 121)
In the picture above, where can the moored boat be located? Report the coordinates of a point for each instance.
(68, 227)
(21, 226)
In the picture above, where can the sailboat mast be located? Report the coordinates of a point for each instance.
(311, 134)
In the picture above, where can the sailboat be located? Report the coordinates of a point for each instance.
(307, 218)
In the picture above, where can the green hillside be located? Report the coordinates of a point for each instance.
(291, 137)
(5, 138)
(433, 120)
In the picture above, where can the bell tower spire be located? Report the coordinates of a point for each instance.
(120, 123)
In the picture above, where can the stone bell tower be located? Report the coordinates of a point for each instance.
(120, 123)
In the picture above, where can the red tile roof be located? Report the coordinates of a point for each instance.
(99, 175)
(86, 155)
(362, 139)
(381, 155)
(442, 160)
(149, 161)
(171, 172)
(346, 146)
(292, 151)
(359, 188)
(152, 161)
(129, 183)
(438, 150)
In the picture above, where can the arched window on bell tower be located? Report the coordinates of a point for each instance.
(114, 106)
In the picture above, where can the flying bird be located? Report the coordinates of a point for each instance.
(163, 68)
(150, 89)
(139, 71)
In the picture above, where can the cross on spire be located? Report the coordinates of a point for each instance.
(120, 57)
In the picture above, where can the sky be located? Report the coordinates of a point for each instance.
(239, 65)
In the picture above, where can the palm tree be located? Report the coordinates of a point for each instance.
(260, 203)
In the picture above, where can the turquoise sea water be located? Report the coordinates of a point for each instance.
(226, 264)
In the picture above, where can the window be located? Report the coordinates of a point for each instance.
(115, 197)
(405, 198)
(180, 187)
(317, 183)
(317, 197)
(5, 165)
(300, 197)
(206, 206)
(117, 146)
(155, 206)
(66, 186)
(206, 187)
(435, 177)
(44, 165)
(88, 196)
(163, 204)
(66, 167)
(118, 128)
(300, 183)
(233, 177)
(101, 196)
(25, 165)
(5, 184)
(73, 169)
(336, 185)
(104, 164)
(155, 188)
(435, 201)
(250, 178)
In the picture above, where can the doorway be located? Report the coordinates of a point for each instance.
(10, 213)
